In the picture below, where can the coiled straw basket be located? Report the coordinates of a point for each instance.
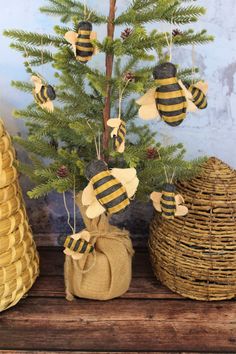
(195, 255)
(19, 263)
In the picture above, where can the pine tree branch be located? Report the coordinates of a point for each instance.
(37, 39)
(109, 68)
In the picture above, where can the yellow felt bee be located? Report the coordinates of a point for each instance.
(43, 94)
(118, 133)
(198, 91)
(169, 100)
(78, 245)
(108, 190)
(168, 202)
(81, 42)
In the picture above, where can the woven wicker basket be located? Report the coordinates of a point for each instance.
(195, 255)
(19, 263)
(8, 192)
(7, 160)
(5, 142)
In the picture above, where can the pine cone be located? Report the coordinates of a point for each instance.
(152, 153)
(126, 33)
(62, 172)
(129, 76)
(53, 143)
(176, 32)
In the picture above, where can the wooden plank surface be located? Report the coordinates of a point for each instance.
(52, 262)
(144, 283)
(120, 324)
(82, 352)
(148, 318)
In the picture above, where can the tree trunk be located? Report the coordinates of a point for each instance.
(109, 67)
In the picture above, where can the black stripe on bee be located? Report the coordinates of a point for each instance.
(109, 190)
(171, 109)
(116, 201)
(199, 99)
(80, 246)
(84, 47)
(46, 94)
(168, 205)
(102, 181)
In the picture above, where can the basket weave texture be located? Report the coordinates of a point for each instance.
(195, 255)
(19, 262)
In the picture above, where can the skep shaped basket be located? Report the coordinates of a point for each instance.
(195, 255)
(19, 263)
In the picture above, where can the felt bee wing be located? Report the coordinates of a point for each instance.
(203, 86)
(93, 36)
(88, 198)
(114, 122)
(37, 83)
(128, 178)
(156, 199)
(189, 97)
(48, 106)
(148, 109)
(181, 210)
(121, 148)
(71, 38)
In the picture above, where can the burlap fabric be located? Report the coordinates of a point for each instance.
(105, 273)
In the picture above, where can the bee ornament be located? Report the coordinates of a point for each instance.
(169, 100)
(198, 91)
(43, 94)
(118, 133)
(168, 202)
(81, 41)
(108, 190)
(78, 245)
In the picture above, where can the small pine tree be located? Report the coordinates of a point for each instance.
(62, 142)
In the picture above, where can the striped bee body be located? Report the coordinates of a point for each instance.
(199, 99)
(46, 93)
(170, 98)
(119, 138)
(79, 246)
(110, 193)
(84, 47)
(168, 203)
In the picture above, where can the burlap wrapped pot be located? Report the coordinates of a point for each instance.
(106, 273)
(195, 255)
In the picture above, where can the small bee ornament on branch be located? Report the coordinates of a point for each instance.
(81, 41)
(44, 94)
(78, 245)
(168, 202)
(118, 134)
(108, 190)
(169, 100)
(198, 91)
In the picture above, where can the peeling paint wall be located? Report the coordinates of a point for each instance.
(210, 132)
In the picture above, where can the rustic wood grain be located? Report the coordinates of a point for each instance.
(82, 352)
(121, 325)
(143, 288)
(52, 262)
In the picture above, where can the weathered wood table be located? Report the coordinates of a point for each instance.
(149, 318)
